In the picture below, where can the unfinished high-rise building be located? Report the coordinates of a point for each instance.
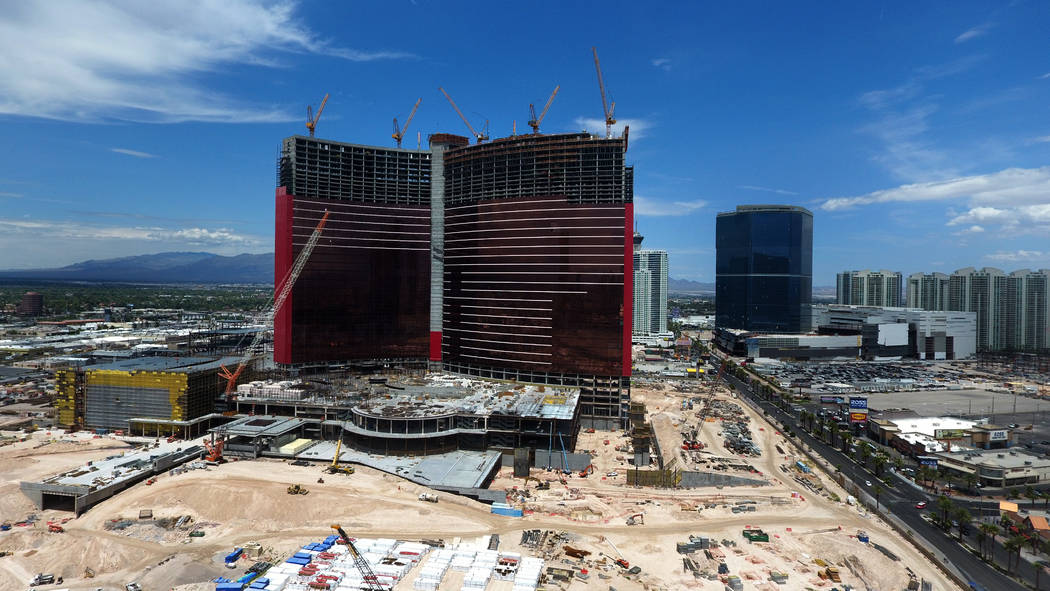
(510, 260)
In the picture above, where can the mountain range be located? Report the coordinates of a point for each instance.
(164, 267)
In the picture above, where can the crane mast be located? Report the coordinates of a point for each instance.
(534, 123)
(609, 109)
(368, 576)
(284, 288)
(480, 137)
(399, 132)
(311, 119)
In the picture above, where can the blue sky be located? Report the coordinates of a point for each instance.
(917, 133)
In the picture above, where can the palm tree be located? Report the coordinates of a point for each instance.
(991, 530)
(982, 538)
(878, 492)
(898, 463)
(945, 505)
(880, 463)
(847, 440)
(1030, 494)
(1014, 545)
(971, 481)
(962, 515)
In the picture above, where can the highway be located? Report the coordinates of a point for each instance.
(900, 500)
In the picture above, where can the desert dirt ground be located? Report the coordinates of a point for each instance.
(245, 501)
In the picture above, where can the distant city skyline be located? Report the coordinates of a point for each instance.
(914, 133)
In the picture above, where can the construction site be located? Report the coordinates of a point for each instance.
(780, 527)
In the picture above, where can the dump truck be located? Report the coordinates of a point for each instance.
(428, 497)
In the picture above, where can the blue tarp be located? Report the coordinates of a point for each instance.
(302, 555)
(229, 587)
(295, 560)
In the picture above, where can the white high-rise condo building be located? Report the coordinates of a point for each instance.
(1011, 309)
(650, 290)
(869, 288)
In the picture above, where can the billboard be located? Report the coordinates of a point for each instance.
(927, 461)
(858, 403)
(1002, 435)
(858, 417)
(949, 434)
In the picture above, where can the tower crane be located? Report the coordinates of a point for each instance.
(281, 292)
(480, 137)
(534, 123)
(368, 576)
(610, 108)
(311, 119)
(399, 132)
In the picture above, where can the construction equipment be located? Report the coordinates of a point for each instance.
(564, 456)
(399, 132)
(296, 489)
(480, 137)
(620, 562)
(214, 450)
(534, 123)
(636, 519)
(89, 573)
(55, 528)
(334, 467)
(428, 497)
(540, 484)
(151, 481)
(587, 471)
(368, 577)
(311, 119)
(281, 292)
(609, 108)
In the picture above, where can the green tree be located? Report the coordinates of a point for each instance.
(880, 463)
(971, 481)
(898, 463)
(878, 493)
(1031, 494)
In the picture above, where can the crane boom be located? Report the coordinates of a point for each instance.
(534, 123)
(399, 133)
(282, 291)
(311, 121)
(480, 137)
(609, 109)
(368, 576)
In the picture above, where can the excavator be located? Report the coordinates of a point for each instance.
(636, 519)
(587, 471)
(540, 484)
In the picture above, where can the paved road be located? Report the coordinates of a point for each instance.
(900, 501)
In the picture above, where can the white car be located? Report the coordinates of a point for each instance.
(612, 474)
(867, 483)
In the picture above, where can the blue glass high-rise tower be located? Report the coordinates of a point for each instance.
(764, 268)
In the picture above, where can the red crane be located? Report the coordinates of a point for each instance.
(283, 289)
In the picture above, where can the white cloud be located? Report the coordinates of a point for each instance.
(766, 189)
(134, 153)
(126, 60)
(645, 206)
(639, 127)
(664, 63)
(1045, 76)
(1018, 255)
(53, 230)
(1039, 140)
(973, 33)
(11, 195)
(1012, 186)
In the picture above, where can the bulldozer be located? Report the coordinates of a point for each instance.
(296, 489)
(636, 519)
